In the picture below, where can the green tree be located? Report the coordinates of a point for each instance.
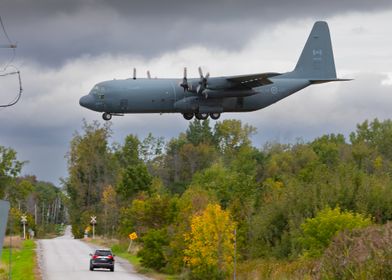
(328, 148)
(151, 147)
(110, 210)
(133, 179)
(129, 154)
(173, 161)
(319, 231)
(10, 168)
(376, 134)
(91, 167)
(147, 213)
(196, 158)
(199, 132)
(230, 135)
(152, 253)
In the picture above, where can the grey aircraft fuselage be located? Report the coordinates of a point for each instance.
(212, 96)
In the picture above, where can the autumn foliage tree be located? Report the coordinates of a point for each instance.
(210, 249)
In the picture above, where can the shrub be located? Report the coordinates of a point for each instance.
(152, 253)
(359, 254)
(319, 231)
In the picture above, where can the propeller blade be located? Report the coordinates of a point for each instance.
(184, 83)
(134, 73)
(200, 72)
(207, 75)
(148, 75)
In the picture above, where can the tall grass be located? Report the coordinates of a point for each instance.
(23, 261)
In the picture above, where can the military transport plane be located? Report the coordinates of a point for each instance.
(210, 96)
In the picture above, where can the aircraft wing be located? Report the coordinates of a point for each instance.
(253, 80)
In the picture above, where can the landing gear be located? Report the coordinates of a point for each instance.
(201, 116)
(107, 116)
(215, 116)
(188, 116)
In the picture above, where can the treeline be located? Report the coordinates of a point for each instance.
(42, 202)
(188, 199)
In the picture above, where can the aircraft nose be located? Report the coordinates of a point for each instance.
(85, 101)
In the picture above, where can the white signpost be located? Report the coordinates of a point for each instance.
(93, 222)
(23, 219)
(4, 209)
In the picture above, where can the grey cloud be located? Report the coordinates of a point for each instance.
(52, 32)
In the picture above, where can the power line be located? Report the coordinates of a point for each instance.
(8, 64)
(5, 31)
(19, 94)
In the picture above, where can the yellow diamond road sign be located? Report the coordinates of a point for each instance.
(132, 236)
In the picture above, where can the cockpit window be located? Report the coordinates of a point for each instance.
(98, 91)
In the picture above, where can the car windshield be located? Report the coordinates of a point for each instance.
(103, 253)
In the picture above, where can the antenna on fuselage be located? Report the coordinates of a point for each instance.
(134, 73)
(148, 74)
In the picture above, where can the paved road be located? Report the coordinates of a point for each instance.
(65, 258)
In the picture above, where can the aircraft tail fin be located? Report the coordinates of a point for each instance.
(316, 62)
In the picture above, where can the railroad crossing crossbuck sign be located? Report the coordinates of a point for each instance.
(23, 219)
(93, 222)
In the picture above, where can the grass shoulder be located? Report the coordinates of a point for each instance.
(23, 260)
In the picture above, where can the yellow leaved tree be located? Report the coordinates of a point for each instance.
(210, 244)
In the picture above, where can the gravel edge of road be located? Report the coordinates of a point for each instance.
(39, 261)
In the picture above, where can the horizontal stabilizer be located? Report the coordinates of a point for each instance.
(322, 81)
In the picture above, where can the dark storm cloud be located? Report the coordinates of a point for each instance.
(53, 32)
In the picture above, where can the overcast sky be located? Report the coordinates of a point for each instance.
(65, 47)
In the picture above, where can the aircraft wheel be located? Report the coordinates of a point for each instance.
(201, 116)
(188, 116)
(107, 116)
(215, 116)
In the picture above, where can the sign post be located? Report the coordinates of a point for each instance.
(4, 209)
(93, 222)
(23, 219)
(132, 236)
(235, 255)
